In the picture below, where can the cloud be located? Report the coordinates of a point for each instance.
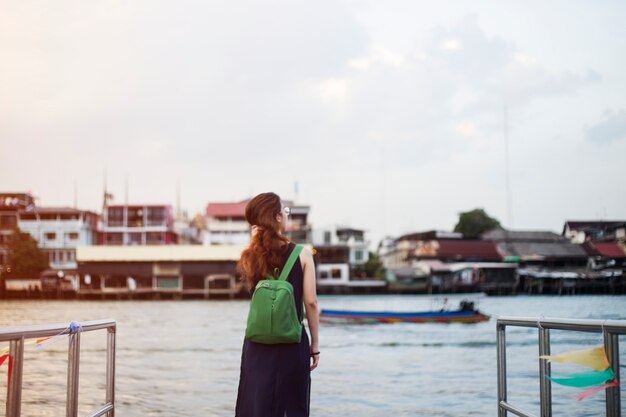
(466, 129)
(240, 97)
(463, 48)
(611, 129)
(451, 45)
(380, 56)
(335, 90)
(425, 104)
(495, 72)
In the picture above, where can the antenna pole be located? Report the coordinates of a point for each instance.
(105, 192)
(178, 197)
(126, 190)
(382, 191)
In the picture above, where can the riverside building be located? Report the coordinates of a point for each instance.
(225, 224)
(58, 232)
(138, 224)
(10, 205)
(158, 271)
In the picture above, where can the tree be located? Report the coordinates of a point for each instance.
(374, 267)
(24, 258)
(475, 222)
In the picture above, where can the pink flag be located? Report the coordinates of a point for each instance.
(595, 390)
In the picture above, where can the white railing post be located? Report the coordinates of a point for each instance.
(16, 336)
(73, 366)
(110, 387)
(613, 400)
(501, 363)
(14, 391)
(610, 329)
(545, 386)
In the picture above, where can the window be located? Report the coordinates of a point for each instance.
(335, 273)
(135, 217)
(323, 274)
(72, 236)
(114, 239)
(154, 238)
(73, 216)
(167, 282)
(115, 216)
(327, 237)
(358, 255)
(51, 236)
(156, 216)
(8, 221)
(134, 238)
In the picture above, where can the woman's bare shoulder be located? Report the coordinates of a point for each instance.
(306, 256)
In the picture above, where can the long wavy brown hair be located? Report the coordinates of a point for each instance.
(267, 244)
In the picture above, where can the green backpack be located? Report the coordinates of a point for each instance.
(273, 317)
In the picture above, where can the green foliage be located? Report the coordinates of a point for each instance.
(475, 222)
(25, 259)
(374, 267)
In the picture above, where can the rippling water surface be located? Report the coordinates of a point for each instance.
(182, 358)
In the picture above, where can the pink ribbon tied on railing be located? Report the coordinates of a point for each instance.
(3, 359)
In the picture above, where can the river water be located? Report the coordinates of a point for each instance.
(181, 358)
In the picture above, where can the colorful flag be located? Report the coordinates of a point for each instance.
(593, 358)
(601, 378)
(584, 379)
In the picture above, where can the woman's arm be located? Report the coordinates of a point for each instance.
(310, 303)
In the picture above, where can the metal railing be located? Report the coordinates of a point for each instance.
(610, 329)
(16, 337)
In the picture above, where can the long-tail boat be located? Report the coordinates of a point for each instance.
(465, 314)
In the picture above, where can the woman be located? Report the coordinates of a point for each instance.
(275, 378)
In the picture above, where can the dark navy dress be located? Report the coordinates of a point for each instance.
(275, 380)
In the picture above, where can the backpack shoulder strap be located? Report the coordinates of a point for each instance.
(290, 262)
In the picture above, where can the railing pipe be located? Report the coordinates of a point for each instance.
(37, 331)
(515, 410)
(14, 390)
(610, 329)
(545, 387)
(501, 363)
(108, 408)
(16, 335)
(110, 384)
(73, 367)
(594, 326)
(613, 401)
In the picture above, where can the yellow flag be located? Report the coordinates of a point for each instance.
(593, 358)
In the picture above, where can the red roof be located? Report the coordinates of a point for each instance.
(227, 209)
(606, 249)
(467, 250)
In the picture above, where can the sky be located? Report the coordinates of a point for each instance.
(391, 116)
